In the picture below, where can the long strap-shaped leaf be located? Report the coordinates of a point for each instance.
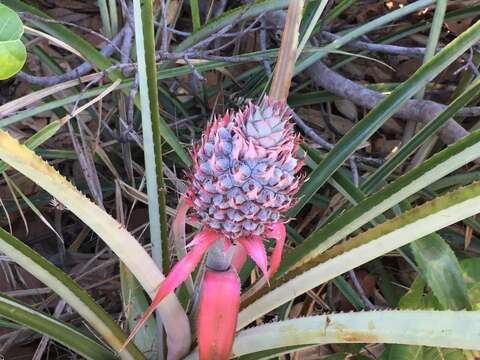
(53, 328)
(445, 277)
(381, 239)
(53, 277)
(435, 168)
(446, 329)
(68, 290)
(374, 206)
(380, 113)
(117, 238)
(151, 129)
(240, 13)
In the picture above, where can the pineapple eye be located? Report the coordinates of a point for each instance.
(239, 199)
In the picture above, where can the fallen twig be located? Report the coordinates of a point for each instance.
(79, 71)
(419, 110)
(308, 131)
(383, 48)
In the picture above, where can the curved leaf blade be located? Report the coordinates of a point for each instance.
(53, 328)
(435, 168)
(444, 329)
(380, 113)
(68, 290)
(390, 235)
(115, 236)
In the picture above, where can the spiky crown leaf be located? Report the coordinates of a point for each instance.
(244, 170)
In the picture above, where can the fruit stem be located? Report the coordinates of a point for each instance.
(218, 259)
(282, 76)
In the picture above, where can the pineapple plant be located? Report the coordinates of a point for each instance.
(245, 175)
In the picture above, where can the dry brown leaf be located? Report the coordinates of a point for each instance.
(354, 71)
(468, 237)
(379, 74)
(458, 26)
(172, 9)
(384, 147)
(76, 5)
(347, 108)
(407, 68)
(370, 9)
(392, 126)
(420, 39)
(341, 124)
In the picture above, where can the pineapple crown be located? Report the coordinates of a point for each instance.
(244, 170)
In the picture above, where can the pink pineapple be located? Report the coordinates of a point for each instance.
(244, 177)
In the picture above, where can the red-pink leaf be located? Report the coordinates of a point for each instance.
(178, 274)
(178, 223)
(279, 233)
(256, 250)
(239, 257)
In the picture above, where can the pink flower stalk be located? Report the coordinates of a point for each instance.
(217, 317)
(243, 178)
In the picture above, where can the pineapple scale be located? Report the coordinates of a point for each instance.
(244, 173)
